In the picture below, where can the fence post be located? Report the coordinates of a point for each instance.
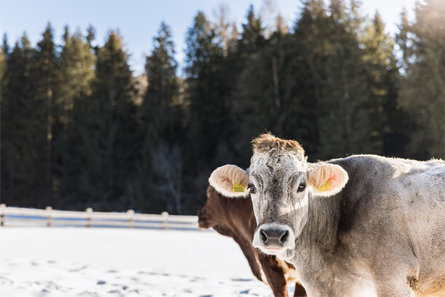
(89, 211)
(48, 216)
(130, 213)
(164, 220)
(2, 214)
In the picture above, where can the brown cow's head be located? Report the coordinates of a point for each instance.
(230, 217)
(208, 214)
(280, 182)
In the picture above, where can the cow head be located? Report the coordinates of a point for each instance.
(280, 182)
(225, 215)
(207, 215)
(216, 213)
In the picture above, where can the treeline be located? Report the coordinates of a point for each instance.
(79, 130)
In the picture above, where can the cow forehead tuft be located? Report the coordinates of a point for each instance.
(268, 143)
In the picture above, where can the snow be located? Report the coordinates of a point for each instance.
(96, 262)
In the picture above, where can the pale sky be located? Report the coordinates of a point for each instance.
(138, 20)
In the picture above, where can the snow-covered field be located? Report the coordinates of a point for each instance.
(122, 262)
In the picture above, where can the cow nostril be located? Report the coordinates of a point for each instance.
(283, 237)
(263, 236)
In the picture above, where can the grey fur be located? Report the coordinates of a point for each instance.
(382, 235)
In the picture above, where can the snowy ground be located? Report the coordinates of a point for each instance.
(122, 262)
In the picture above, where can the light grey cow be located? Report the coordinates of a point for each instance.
(364, 225)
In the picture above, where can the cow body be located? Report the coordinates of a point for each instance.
(363, 225)
(234, 218)
(383, 234)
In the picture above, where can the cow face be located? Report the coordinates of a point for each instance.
(278, 188)
(216, 214)
(207, 215)
(280, 183)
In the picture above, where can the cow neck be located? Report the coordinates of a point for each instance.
(322, 226)
(239, 224)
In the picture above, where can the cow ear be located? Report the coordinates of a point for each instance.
(230, 181)
(327, 179)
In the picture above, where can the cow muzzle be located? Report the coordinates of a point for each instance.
(274, 238)
(203, 222)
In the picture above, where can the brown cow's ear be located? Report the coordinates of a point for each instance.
(230, 181)
(327, 179)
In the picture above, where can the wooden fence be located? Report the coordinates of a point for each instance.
(17, 216)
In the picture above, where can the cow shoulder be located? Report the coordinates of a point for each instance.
(368, 175)
(362, 197)
(380, 183)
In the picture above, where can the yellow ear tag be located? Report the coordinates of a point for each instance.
(325, 186)
(238, 189)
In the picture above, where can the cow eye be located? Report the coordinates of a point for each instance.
(252, 189)
(301, 187)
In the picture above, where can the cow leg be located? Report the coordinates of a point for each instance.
(299, 291)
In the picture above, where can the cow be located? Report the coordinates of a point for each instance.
(363, 225)
(234, 218)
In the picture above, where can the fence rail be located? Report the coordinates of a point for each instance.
(17, 216)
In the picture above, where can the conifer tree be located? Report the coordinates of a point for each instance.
(310, 38)
(161, 129)
(388, 119)
(46, 80)
(422, 91)
(249, 85)
(208, 96)
(108, 134)
(344, 121)
(252, 34)
(162, 92)
(208, 110)
(21, 133)
(76, 76)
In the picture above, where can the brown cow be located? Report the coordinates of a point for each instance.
(234, 218)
